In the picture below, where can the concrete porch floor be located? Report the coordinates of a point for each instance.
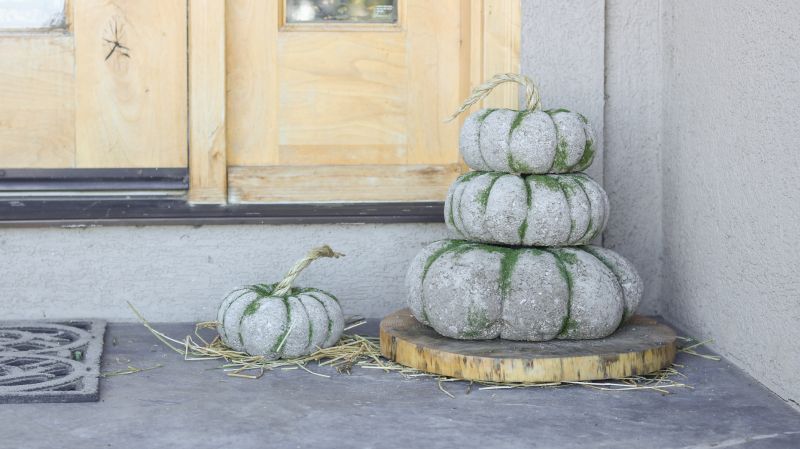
(191, 405)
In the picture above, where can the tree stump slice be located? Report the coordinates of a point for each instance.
(641, 346)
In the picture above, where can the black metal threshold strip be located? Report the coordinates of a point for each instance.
(93, 179)
(138, 210)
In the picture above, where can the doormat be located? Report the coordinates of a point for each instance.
(53, 361)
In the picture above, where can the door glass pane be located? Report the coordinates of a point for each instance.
(341, 11)
(31, 14)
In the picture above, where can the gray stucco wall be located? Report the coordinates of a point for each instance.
(632, 160)
(180, 273)
(731, 181)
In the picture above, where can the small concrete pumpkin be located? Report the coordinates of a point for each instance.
(474, 291)
(527, 141)
(281, 321)
(530, 210)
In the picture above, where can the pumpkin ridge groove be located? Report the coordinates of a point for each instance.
(452, 198)
(241, 318)
(458, 211)
(245, 290)
(483, 197)
(259, 296)
(310, 324)
(569, 206)
(515, 166)
(327, 316)
(588, 149)
(507, 264)
(481, 119)
(559, 162)
(278, 347)
(316, 290)
(523, 228)
(455, 200)
(562, 268)
(589, 202)
(451, 245)
(608, 265)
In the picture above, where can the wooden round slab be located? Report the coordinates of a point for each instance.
(640, 347)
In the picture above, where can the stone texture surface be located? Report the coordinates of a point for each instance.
(475, 291)
(279, 326)
(539, 142)
(190, 405)
(50, 361)
(534, 210)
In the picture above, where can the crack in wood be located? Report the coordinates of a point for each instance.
(116, 33)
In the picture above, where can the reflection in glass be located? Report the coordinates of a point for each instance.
(341, 11)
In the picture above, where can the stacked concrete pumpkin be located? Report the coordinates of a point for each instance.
(519, 266)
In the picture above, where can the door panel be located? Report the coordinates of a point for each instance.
(72, 98)
(131, 102)
(326, 95)
(37, 111)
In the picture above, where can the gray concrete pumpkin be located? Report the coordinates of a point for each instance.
(475, 291)
(529, 141)
(281, 321)
(531, 210)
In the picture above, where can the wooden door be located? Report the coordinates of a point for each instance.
(104, 88)
(331, 111)
(269, 109)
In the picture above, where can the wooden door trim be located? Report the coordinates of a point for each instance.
(207, 125)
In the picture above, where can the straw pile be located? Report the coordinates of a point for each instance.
(364, 352)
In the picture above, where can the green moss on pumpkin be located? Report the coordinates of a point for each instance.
(252, 307)
(587, 157)
(485, 114)
(579, 182)
(561, 262)
(547, 181)
(278, 346)
(523, 228)
(483, 195)
(477, 323)
(562, 153)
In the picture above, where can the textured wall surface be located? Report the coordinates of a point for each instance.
(180, 273)
(632, 161)
(732, 182)
(562, 51)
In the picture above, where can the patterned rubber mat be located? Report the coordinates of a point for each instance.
(50, 361)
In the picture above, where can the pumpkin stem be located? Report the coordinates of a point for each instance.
(285, 285)
(533, 100)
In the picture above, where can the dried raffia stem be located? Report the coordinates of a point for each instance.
(533, 99)
(285, 285)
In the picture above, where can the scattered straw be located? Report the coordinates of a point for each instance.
(364, 352)
(690, 348)
(129, 370)
(349, 350)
